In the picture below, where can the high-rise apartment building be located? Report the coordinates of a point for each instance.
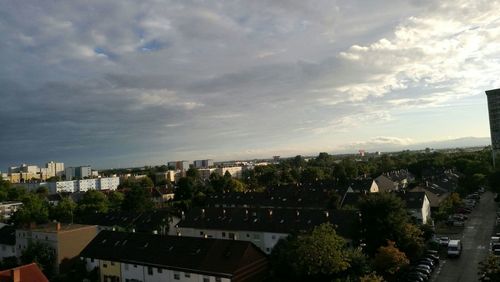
(494, 113)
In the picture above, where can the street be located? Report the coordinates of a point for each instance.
(475, 239)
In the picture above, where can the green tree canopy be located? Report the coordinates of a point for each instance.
(93, 201)
(64, 210)
(137, 199)
(34, 209)
(389, 260)
(42, 254)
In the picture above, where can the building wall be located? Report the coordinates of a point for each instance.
(264, 240)
(235, 171)
(374, 187)
(7, 251)
(88, 184)
(91, 264)
(109, 183)
(426, 210)
(72, 242)
(7, 209)
(109, 269)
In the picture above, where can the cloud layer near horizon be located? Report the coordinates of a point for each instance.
(118, 83)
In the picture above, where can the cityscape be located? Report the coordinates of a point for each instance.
(231, 141)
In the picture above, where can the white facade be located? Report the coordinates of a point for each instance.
(88, 184)
(108, 183)
(9, 208)
(205, 172)
(235, 171)
(264, 240)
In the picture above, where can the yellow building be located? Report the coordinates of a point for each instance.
(110, 271)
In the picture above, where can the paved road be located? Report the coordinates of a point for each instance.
(475, 239)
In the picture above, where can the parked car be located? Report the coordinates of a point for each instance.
(443, 241)
(415, 276)
(424, 270)
(459, 216)
(463, 210)
(433, 257)
(427, 262)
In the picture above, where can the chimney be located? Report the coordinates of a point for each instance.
(203, 212)
(58, 226)
(270, 213)
(327, 214)
(15, 275)
(182, 215)
(224, 212)
(298, 213)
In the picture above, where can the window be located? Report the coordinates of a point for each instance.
(91, 260)
(248, 235)
(112, 263)
(201, 233)
(150, 270)
(126, 266)
(231, 236)
(160, 270)
(104, 265)
(273, 237)
(206, 279)
(268, 250)
(218, 279)
(223, 234)
(187, 275)
(177, 276)
(135, 265)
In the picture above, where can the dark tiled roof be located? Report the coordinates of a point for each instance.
(351, 199)
(399, 175)
(434, 193)
(8, 235)
(282, 197)
(270, 220)
(200, 255)
(360, 185)
(385, 184)
(141, 222)
(28, 272)
(413, 200)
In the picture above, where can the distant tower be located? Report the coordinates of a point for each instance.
(494, 112)
(361, 152)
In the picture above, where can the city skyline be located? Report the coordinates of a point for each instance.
(122, 84)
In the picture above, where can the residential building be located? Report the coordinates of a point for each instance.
(235, 171)
(7, 242)
(366, 185)
(203, 163)
(493, 97)
(67, 240)
(158, 221)
(73, 186)
(121, 256)
(261, 226)
(292, 197)
(385, 184)
(434, 193)
(206, 172)
(55, 169)
(418, 206)
(7, 209)
(28, 272)
(80, 172)
(179, 165)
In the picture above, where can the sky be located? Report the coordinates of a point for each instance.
(121, 83)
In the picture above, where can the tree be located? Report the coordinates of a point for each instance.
(42, 254)
(320, 256)
(389, 259)
(115, 199)
(186, 189)
(372, 277)
(137, 199)
(490, 268)
(64, 210)
(93, 202)
(383, 214)
(34, 209)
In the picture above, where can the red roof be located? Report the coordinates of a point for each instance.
(25, 273)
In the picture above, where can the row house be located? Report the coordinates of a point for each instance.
(263, 227)
(138, 257)
(67, 240)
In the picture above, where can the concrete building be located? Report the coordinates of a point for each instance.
(7, 209)
(66, 240)
(55, 169)
(206, 172)
(203, 163)
(80, 172)
(179, 165)
(494, 114)
(7, 242)
(235, 171)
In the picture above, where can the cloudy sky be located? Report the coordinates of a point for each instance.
(122, 83)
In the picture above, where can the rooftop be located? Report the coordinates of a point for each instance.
(53, 228)
(200, 255)
(28, 272)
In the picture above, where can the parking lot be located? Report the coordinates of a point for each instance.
(475, 239)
